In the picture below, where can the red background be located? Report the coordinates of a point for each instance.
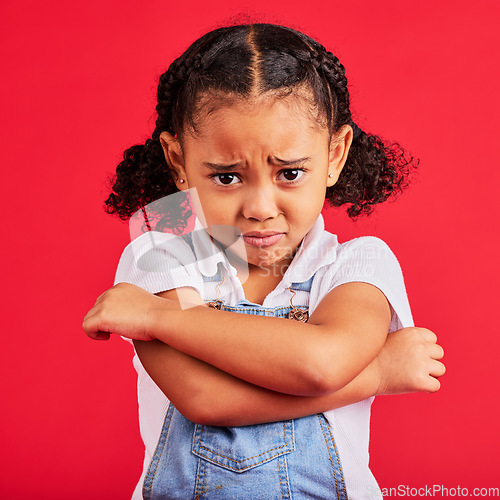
(78, 87)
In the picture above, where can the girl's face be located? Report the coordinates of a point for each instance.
(263, 168)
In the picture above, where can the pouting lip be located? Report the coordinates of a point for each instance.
(261, 234)
(263, 240)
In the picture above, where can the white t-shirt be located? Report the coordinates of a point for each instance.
(159, 261)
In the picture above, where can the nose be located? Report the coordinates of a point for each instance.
(260, 203)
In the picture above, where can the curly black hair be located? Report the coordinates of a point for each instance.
(240, 61)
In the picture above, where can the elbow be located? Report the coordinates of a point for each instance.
(217, 415)
(203, 416)
(320, 376)
(319, 382)
(203, 411)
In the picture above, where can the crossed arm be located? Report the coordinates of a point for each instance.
(222, 368)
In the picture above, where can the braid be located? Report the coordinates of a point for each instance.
(333, 72)
(169, 94)
(142, 177)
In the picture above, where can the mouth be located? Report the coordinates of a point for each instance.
(262, 238)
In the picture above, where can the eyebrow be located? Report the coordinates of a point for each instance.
(292, 163)
(220, 167)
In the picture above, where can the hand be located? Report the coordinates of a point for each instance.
(409, 362)
(123, 309)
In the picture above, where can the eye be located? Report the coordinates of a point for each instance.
(225, 179)
(292, 174)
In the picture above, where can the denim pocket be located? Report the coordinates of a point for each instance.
(243, 448)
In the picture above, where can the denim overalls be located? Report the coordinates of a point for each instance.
(294, 459)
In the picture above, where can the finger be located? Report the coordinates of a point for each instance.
(91, 326)
(433, 384)
(429, 335)
(100, 336)
(436, 351)
(437, 369)
(90, 313)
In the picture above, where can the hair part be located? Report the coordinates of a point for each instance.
(249, 61)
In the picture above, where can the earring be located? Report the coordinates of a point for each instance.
(330, 175)
(181, 181)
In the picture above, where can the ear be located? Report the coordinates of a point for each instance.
(339, 149)
(175, 159)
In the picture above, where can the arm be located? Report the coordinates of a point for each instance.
(408, 362)
(344, 334)
(206, 395)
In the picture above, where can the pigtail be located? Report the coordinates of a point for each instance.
(375, 170)
(142, 177)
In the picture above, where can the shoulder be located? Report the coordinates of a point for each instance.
(366, 259)
(156, 262)
(363, 244)
(365, 250)
(322, 249)
(335, 256)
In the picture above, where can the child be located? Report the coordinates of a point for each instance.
(254, 123)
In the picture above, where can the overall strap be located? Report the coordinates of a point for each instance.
(217, 277)
(305, 286)
(298, 313)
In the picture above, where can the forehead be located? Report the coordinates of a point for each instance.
(269, 121)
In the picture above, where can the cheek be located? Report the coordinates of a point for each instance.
(313, 197)
(202, 203)
(216, 209)
(305, 209)
(300, 219)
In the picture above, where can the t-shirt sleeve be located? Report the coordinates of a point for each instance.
(157, 262)
(370, 260)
